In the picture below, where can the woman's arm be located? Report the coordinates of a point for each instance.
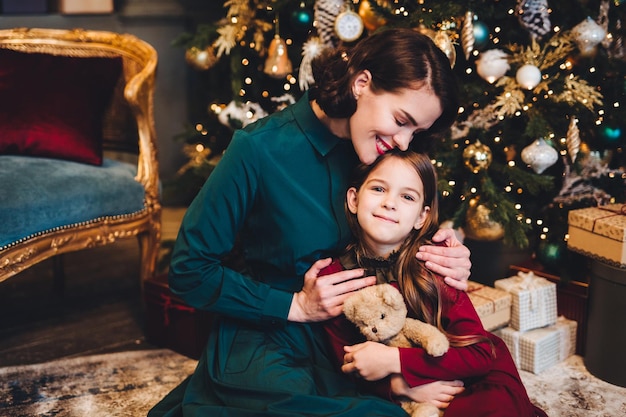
(207, 234)
(449, 258)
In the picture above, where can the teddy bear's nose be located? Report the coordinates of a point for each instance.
(374, 330)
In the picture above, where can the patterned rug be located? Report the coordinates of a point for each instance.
(130, 383)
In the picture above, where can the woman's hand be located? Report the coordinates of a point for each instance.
(438, 393)
(450, 259)
(371, 360)
(321, 298)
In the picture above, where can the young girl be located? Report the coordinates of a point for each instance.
(392, 210)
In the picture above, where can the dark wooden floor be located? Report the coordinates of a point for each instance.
(100, 310)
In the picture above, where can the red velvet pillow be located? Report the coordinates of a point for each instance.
(52, 106)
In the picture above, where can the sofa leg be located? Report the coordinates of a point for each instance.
(58, 274)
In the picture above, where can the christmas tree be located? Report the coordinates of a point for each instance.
(540, 130)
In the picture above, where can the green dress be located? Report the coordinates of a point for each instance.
(279, 190)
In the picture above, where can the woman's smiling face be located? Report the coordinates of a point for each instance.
(385, 120)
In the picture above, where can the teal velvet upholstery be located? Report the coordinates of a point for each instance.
(52, 193)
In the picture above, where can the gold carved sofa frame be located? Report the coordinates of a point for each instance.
(128, 132)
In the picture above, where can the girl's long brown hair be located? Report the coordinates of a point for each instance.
(419, 286)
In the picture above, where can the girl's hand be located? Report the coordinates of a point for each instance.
(438, 393)
(321, 298)
(451, 260)
(371, 360)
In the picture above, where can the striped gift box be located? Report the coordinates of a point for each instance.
(492, 305)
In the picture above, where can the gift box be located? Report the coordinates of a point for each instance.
(533, 303)
(492, 305)
(599, 232)
(172, 324)
(538, 349)
(535, 350)
(85, 6)
(566, 330)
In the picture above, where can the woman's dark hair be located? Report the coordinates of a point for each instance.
(418, 285)
(397, 59)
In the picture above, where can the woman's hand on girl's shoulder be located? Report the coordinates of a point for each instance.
(448, 257)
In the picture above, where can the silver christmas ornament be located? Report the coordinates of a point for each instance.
(588, 34)
(539, 155)
(492, 65)
(528, 76)
(534, 16)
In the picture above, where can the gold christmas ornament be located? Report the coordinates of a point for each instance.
(479, 225)
(201, 59)
(443, 42)
(467, 34)
(371, 20)
(573, 139)
(277, 64)
(477, 157)
(349, 25)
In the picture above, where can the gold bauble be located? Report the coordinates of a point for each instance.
(477, 157)
(277, 64)
(201, 59)
(442, 40)
(371, 20)
(479, 225)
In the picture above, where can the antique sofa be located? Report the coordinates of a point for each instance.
(78, 152)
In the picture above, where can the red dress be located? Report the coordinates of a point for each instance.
(493, 386)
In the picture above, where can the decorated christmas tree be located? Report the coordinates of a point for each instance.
(540, 130)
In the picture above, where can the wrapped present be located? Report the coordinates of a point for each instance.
(473, 286)
(535, 350)
(533, 302)
(600, 233)
(538, 349)
(492, 305)
(566, 330)
(171, 323)
(85, 6)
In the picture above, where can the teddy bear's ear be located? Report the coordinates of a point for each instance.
(391, 296)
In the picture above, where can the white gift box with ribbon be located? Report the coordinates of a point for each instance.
(533, 300)
(538, 349)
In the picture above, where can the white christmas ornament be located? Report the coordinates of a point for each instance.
(588, 34)
(245, 113)
(492, 64)
(539, 155)
(528, 76)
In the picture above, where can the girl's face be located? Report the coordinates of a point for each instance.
(385, 120)
(389, 205)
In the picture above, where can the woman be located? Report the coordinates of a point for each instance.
(279, 190)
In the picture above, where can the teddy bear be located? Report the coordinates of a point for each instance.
(380, 314)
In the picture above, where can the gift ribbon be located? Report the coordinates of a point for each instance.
(527, 281)
(169, 305)
(620, 212)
